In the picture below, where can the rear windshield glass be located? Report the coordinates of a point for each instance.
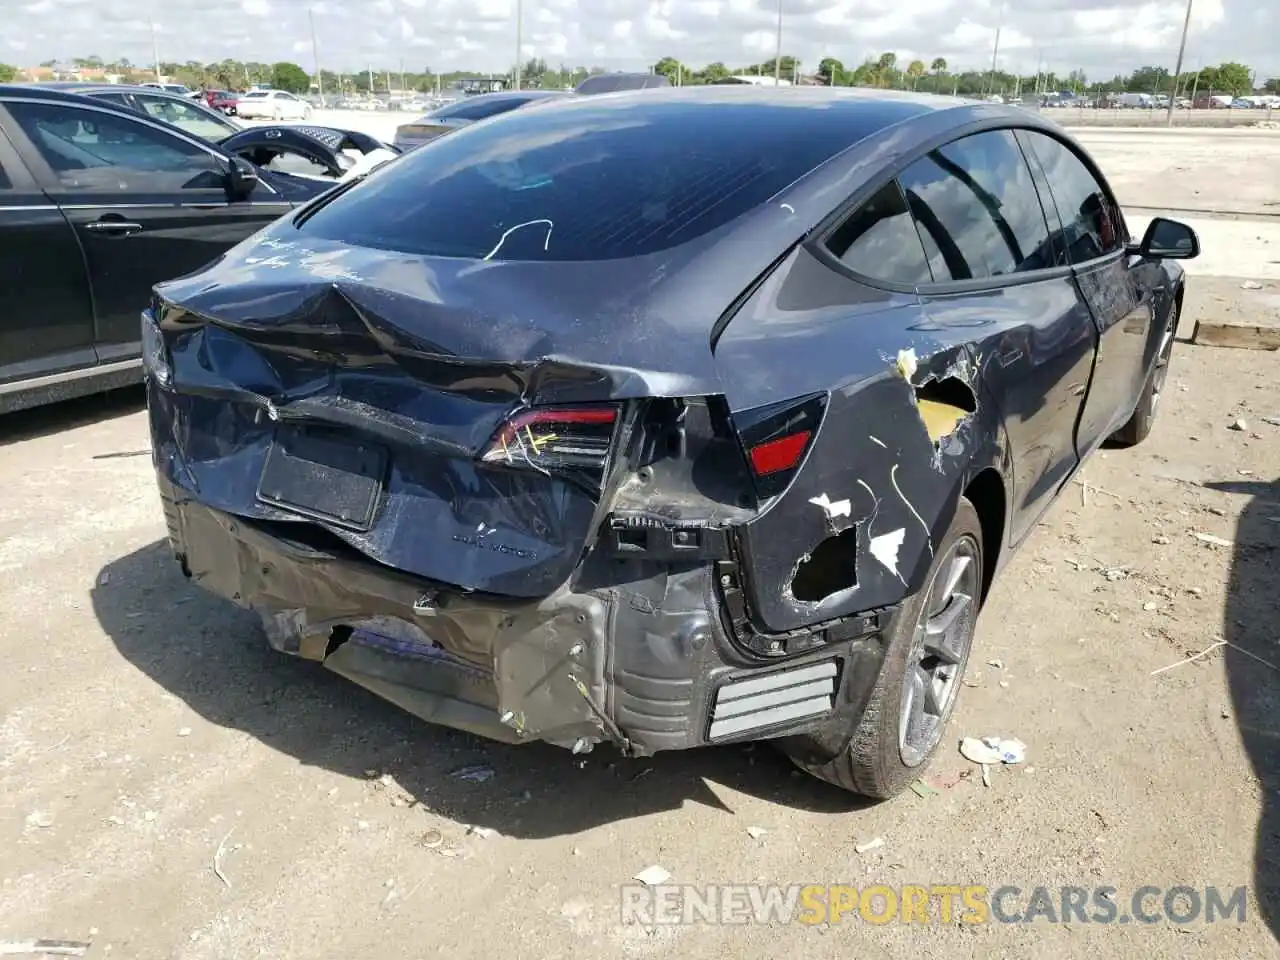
(477, 108)
(583, 182)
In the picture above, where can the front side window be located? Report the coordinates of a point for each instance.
(185, 116)
(102, 152)
(879, 240)
(977, 209)
(1092, 224)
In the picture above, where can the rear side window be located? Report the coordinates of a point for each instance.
(879, 240)
(584, 181)
(978, 210)
(1092, 226)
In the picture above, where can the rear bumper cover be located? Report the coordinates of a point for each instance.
(644, 663)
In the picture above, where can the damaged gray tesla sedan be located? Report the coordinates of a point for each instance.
(666, 419)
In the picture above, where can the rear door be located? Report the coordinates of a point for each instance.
(46, 313)
(1111, 281)
(147, 202)
(996, 268)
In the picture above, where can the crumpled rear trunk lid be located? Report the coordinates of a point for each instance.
(347, 395)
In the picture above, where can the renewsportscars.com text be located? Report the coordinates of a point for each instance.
(814, 904)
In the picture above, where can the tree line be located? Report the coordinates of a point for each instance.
(935, 76)
(231, 74)
(887, 70)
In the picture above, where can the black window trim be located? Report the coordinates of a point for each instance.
(816, 243)
(114, 111)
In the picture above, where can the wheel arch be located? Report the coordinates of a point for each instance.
(986, 491)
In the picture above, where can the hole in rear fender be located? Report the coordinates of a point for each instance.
(943, 404)
(830, 568)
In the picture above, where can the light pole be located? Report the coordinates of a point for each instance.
(995, 53)
(155, 47)
(519, 39)
(777, 55)
(315, 55)
(1177, 70)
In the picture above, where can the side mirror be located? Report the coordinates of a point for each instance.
(1169, 240)
(242, 178)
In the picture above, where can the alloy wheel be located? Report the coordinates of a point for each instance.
(939, 651)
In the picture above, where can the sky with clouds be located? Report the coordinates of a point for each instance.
(1101, 36)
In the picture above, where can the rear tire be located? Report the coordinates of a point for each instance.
(306, 113)
(1139, 425)
(906, 715)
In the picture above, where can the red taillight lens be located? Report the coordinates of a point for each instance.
(780, 454)
(556, 440)
(777, 437)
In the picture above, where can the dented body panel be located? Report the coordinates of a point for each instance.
(664, 500)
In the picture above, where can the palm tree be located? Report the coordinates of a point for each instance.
(915, 70)
(938, 68)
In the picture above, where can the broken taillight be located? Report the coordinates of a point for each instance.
(776, 439)
(574, 440)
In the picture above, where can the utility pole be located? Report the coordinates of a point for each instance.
(155, 48)
(371, 79)
(990, 85)
(995, 53)
(519, 39)
(777, 56)
(403, 88)
(315, 54)
(1182, 49)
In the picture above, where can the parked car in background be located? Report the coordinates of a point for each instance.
(615, 82)
(99, 201)
(271, 105)
(187, 114)
(614, 422)
(178, 89)
(461, 113)
(224, 101)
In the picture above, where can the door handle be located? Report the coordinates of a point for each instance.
(115, 228)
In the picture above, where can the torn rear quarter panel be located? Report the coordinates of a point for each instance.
(900, 438)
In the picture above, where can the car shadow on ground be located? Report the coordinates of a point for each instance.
(1253, 670)
(68, 414)
(215, 657)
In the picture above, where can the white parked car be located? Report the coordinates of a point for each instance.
(271, 105)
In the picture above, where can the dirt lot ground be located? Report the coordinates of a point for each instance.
(169, 788)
